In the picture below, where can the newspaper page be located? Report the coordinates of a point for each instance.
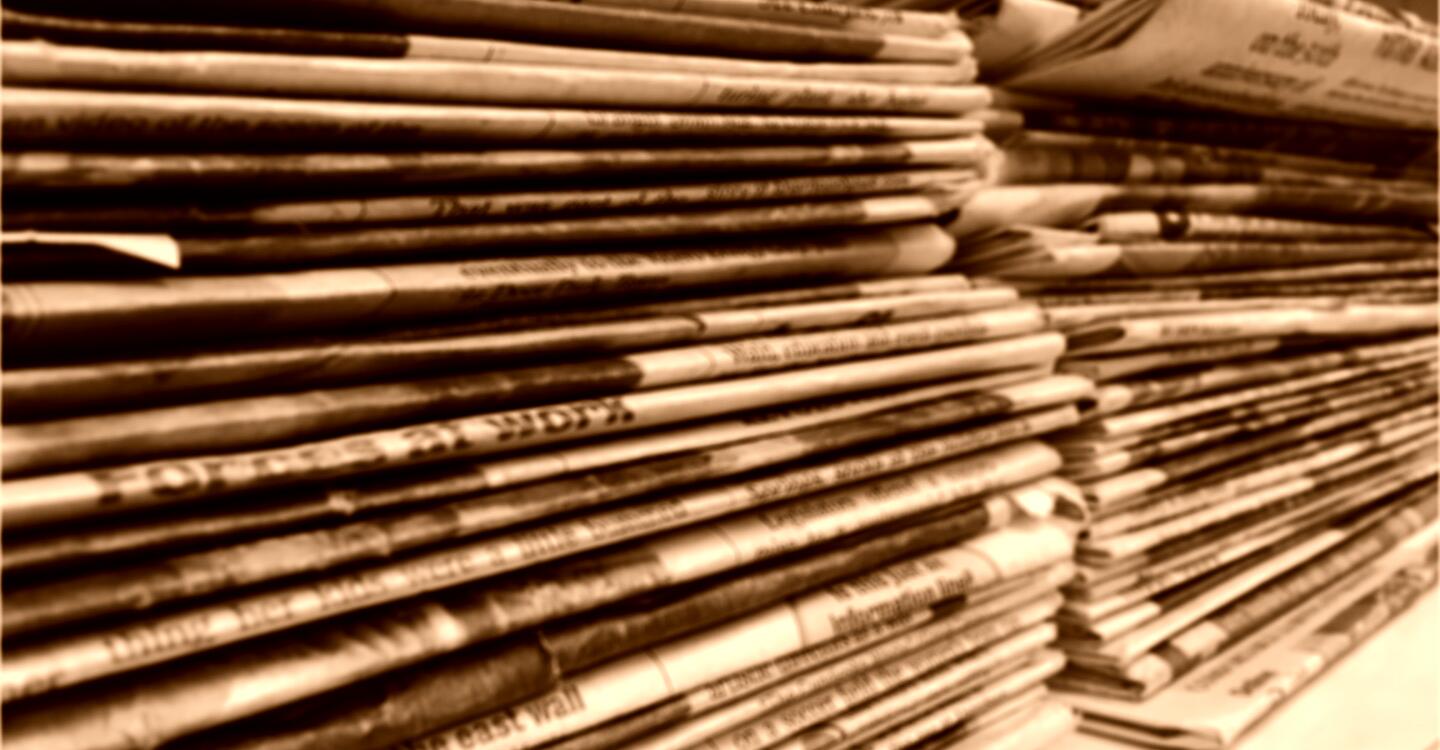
(60, 117)
(146, 34)
(340, 78)
(327, 298)
(1296, 58)
(101, 171)
(593, 24)
(450, 208)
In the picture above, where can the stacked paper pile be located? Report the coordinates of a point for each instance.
(1256, 300)
(436, 434)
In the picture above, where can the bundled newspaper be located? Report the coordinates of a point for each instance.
(513, 374)
(1255, 297)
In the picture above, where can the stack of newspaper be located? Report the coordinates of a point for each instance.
(362, 389)
(1254, 293)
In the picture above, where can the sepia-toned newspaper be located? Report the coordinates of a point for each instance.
(264, 673)
(337, 500)
(1213, 706)
(89, 171)
(61, 117)
(41, 64)
(155, 35)
(1296, 58)
(231, 566)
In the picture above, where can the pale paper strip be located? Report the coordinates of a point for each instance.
(160, 249)
(807, 13)
(497, 50)
(411, 79)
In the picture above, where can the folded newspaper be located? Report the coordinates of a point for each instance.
(1213, 706)
(1291, 58)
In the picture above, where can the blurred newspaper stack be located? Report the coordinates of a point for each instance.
(1254, 293)
(508, 374)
